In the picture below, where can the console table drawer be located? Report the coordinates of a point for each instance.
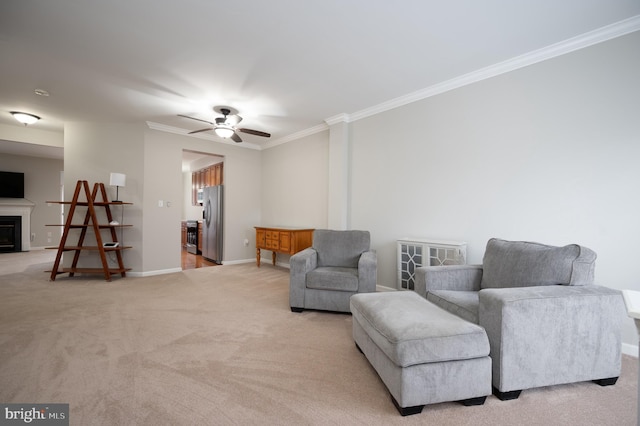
(271, 235)
(282, 240)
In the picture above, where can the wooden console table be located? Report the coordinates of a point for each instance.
(282, 240)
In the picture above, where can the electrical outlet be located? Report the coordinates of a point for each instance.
(246, 242)
(160, 203)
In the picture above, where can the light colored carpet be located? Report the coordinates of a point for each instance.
(219, 346)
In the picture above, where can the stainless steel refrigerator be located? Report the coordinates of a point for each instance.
(212, 223)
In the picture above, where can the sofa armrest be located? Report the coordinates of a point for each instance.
(548, 335)
(453, 277)
(367, 272)
(300, 264)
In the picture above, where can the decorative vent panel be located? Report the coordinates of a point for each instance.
(416, 252)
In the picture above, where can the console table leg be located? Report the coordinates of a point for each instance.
(258, 257)
(273, 257)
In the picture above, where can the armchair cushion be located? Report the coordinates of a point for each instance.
(340, 248)
(527, 264)
(333, 278)
(462, 303)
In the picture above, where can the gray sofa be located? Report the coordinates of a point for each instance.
(546, 321)
(337, 265)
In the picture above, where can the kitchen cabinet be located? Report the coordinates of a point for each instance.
(209, 176)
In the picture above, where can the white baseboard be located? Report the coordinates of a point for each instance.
(152, 273)
(631, 350)
(237, 262)
(385, 288)
(269, 262)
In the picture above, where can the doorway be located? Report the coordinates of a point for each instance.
(199, 170)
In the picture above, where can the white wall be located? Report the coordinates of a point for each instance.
(294, 186)
(41, 184)
(295, 182)
(547, 153)
(91, 152)
(241, 212)
(32, 135)
(162, 183)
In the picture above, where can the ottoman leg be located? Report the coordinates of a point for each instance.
(473, 401)
(407, 411)
(606, 382)
(506, 396)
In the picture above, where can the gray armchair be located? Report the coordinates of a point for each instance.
(547, 323)
(337, 265)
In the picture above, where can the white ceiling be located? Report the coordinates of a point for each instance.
(286, 65)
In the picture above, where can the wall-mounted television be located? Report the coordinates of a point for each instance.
(11, 185)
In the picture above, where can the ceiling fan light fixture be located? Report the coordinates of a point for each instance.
(24, 117)
(224, 132)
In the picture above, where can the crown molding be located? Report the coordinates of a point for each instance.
(296, 136)
(178, 131)
(340, 118)
(591, 38)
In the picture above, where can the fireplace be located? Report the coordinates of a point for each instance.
(12, 209)
(10, 233)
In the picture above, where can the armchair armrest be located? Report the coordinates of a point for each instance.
(300, 264)
(367, 271)
(548, 335)
(453, 277)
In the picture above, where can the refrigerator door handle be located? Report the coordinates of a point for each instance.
(207, 217)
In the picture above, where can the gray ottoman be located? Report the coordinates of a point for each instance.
(422, 353)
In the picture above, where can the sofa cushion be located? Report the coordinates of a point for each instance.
(410, 330)
(462, 303)
(340, 248)
(526, 264)
(332, 278)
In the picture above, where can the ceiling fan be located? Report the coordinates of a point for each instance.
(225, 126)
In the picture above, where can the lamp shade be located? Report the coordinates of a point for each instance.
(117, 179)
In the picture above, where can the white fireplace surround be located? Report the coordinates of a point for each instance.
(19, 207)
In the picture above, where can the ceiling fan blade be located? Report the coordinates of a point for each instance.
(201, 130)
(255, 132)
(193, 118)
(235, 137)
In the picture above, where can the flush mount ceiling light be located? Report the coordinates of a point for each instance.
(25, 118)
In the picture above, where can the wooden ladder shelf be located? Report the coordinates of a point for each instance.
(90, 223)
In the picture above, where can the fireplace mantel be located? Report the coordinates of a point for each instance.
(19, 207)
